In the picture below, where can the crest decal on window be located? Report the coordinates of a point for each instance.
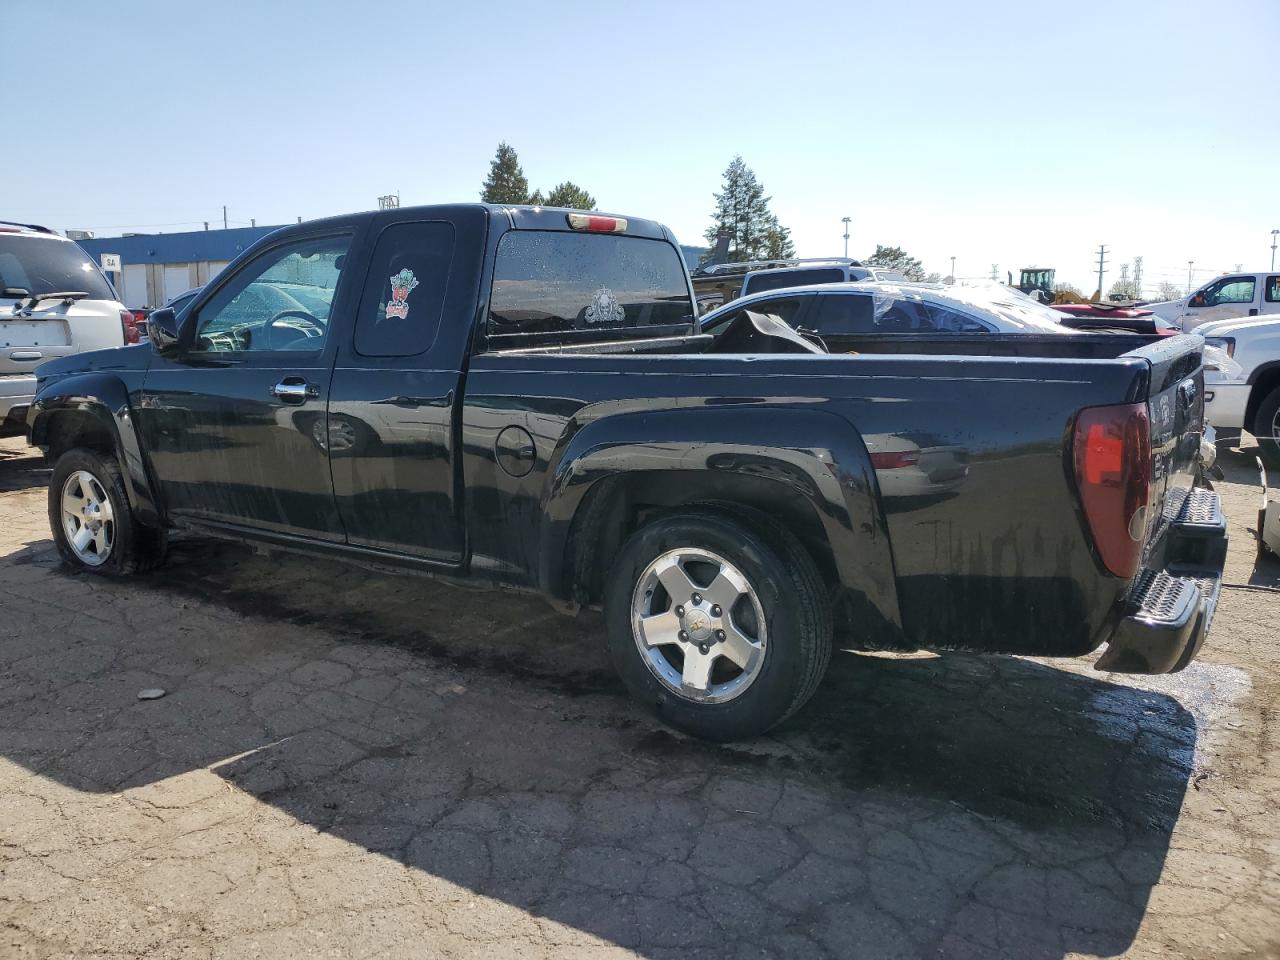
(402, 285)
(604, 308)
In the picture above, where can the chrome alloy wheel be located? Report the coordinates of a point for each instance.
(699, 625)
(87, 520)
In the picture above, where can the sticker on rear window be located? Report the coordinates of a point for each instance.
(604, 308)
(402, 285)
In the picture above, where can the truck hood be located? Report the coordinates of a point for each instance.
(1227, 328)
(1167, 309)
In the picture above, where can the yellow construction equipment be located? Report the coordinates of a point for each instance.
(1038, 282)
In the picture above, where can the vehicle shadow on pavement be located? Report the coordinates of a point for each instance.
(21, 470)
(953, 805)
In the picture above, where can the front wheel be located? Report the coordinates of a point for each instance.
(721, 626)
(92, 524)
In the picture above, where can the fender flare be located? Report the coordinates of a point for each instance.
(105, 399)
(814, 454)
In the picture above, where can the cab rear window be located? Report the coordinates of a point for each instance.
(42, 265)
(551, 286)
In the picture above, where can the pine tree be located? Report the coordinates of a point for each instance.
(506, 183)
(742, 211)
(778, 245)
(569, 194)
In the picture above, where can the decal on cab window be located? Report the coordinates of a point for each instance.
(604, 308)
(402, 285)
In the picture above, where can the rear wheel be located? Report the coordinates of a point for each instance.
(92, 524)
(1266, 427)
(721, 628)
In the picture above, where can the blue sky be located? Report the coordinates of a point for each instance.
(996, 132)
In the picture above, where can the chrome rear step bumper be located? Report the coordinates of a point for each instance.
(1168, 611)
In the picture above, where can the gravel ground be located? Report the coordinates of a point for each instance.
(353, 764)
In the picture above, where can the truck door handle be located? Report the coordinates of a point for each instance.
(25, 355)
(295, 390)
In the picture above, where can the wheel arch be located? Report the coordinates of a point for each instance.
(805, 468)
(1265, 380)
(93, 411)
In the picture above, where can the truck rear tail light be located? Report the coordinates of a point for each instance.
(129, 326)
(894, 461)
(595, 224)
(1112, 452)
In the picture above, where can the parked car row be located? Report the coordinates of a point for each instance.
(527, 396)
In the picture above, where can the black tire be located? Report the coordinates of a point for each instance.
(134, 548)
(797, 613)
(1266, 427)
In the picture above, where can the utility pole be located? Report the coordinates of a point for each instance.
(1102, 266)
(224, 216)
(953, 269)
(1137, 278)
(1189, 265)
(1274, 234)
(845, 221)
(1124, 277)
(995, 272)
(253, 221)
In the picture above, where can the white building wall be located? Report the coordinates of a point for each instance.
(134, 285)
(175, 280)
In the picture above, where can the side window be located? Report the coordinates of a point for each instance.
(1229, 290)
(758, 283)
(403, 297)
(551, 282)
(280, 301)
(953, 321)
(1273, 290)
(845, 314)
(786, 309)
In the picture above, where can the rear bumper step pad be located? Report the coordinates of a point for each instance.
(1169, 611)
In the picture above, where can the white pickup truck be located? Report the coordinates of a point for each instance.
(1242, 389)
(1229, 297)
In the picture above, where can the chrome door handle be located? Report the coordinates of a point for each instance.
(295, 390)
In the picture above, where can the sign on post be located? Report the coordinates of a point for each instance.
(110, 263)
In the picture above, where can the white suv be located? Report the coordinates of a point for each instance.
(54, 301)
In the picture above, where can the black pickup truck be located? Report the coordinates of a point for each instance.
(524, 395)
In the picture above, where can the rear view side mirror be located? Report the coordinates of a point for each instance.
(163, 329)
(1197, 300)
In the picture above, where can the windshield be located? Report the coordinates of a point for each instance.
(46, 265)
(1014, 308)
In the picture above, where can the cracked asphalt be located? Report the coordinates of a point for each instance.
(356, 764)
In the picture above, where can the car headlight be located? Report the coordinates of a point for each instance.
(1218, 364)
(1226, 344)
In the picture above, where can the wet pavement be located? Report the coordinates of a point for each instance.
(352, 763)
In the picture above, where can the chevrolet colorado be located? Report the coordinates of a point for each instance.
(524, 395)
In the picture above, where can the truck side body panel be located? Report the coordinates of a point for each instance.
(939, 491)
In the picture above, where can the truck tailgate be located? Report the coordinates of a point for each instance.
(1172, 598)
